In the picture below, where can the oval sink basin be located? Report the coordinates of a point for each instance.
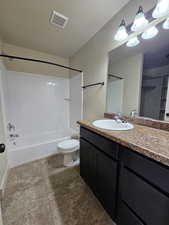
(112, 125)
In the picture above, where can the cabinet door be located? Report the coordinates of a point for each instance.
(126, 216)
(144, 189)
(88, 163)
(107, 182)
(151, 205)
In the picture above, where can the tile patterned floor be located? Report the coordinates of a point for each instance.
(45, 193)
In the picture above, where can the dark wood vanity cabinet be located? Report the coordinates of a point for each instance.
(88, 163)
(132, 188)
(99, 169)
(143, 190)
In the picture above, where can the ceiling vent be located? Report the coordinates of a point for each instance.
(58, 19)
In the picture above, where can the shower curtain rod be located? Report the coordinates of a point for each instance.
(39, 61)
(115, 76)
(91, 85)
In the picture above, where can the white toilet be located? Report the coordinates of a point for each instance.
(70, 150)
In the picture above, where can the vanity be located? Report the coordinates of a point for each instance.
(128, 171)
(128, 168)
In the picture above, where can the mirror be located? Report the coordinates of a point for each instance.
(138, 78)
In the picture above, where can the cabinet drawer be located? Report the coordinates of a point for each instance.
(126, 216)
(148, 203)
(105, 145)
(154, 172)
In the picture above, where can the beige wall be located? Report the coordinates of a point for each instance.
(131, 70)
(93, 58)
(33, 67)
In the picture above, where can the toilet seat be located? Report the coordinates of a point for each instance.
(68, 146)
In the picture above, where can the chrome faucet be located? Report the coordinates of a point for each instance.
(120, 119)
(133, 113)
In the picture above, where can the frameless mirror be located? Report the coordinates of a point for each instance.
(138, 78)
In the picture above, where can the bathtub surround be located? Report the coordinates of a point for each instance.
(42, 112)
(35, 104)
(76, 99)
(3, 156)
(3, 131)
(43, 193)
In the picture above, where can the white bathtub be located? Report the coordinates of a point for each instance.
(27, 149)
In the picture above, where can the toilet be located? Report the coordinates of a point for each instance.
(70, 149)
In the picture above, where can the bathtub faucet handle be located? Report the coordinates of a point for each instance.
(14, 135)
(11, 127)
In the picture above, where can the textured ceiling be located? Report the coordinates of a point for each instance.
(26, 23)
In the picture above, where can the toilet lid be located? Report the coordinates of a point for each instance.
(69, 145)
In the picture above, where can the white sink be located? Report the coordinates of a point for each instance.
(112, 125)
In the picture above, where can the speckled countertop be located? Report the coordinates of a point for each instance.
(153, 143)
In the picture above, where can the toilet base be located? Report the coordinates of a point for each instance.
(72, 163)
(70, 160)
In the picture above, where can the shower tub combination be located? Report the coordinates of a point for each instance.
(43, 113)
(22, 150)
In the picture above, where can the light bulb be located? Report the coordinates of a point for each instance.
(140, 21)
(133, 42)
(166, 24)
(121, 33)
(161, 9)
(150, 33)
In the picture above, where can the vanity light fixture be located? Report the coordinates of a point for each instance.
(121, 33)
(166, 24)
(161, 9)
(140, 21)
(133, 42)
(150, 33)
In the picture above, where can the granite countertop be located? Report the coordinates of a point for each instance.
(151, 142)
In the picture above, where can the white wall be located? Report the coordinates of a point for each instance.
(3, 156)
(35, 107)
(92, 58)
(131, 70)
(75, 100)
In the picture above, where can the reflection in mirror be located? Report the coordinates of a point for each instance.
(138, 78)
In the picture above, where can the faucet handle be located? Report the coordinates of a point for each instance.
(14, 135)
(119, 114)
(133, 113)
(10, 127)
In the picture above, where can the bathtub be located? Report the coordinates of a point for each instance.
(22, 150)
